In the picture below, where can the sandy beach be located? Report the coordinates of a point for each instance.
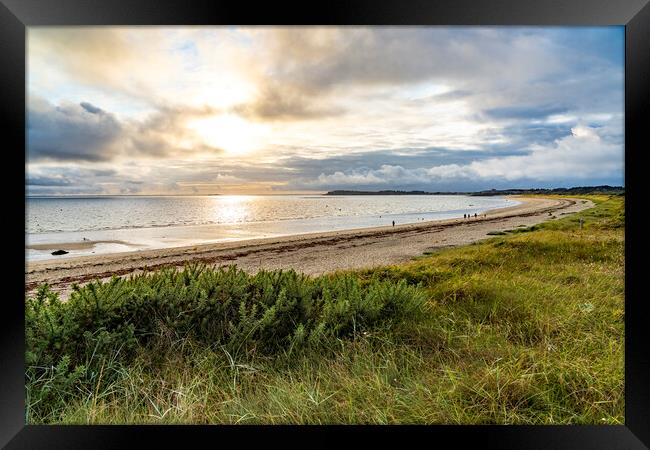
(313, 253)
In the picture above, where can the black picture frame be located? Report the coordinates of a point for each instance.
(16, 15)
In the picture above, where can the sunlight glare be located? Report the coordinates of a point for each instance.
(233, 134)
(231, 208)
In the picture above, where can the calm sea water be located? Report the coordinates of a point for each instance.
(166, 221)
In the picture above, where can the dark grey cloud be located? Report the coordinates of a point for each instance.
(48, 181)
(85, 132)
(156, 136)
(71, 132)
(80, 189)
(315, 61)
(310, 168)
(72, 179)
(102, 172)
(91, 108)
(521, 135)
(277, 102)
(525, 112)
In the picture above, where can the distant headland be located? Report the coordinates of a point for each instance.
(579, 190)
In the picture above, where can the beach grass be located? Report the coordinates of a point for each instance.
(522, 328)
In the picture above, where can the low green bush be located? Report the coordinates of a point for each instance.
(70, 343)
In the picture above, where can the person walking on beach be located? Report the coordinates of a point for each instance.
(393, 223)
(464, 216)
(475, 215)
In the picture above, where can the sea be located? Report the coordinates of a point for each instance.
(113, 224)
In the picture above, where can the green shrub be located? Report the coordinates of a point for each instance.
(69, 343)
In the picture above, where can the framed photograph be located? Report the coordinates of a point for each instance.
(340, 220)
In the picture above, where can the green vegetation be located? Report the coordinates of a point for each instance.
(522, 328)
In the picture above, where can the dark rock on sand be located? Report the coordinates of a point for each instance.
(59, 252)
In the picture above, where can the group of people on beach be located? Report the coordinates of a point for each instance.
(465, 216)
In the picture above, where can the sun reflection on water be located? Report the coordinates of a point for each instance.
(232, 208)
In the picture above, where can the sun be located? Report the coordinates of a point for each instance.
(230, 133)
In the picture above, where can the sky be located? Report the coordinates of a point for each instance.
(276, 110)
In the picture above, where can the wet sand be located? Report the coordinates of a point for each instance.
(313, 253)
(85, 245)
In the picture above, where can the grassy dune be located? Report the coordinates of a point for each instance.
(526, 327)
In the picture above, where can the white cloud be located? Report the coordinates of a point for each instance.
(583, 154)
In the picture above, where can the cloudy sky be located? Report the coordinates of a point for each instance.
(201, 110)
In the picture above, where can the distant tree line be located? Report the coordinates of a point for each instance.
(579, 190)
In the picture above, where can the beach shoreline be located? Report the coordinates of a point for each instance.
(90, 231)
(84, 245)
(309, 253)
